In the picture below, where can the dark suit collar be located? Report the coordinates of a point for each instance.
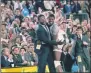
(5, 57)
(43, 26)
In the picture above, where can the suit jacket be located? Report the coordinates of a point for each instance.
(76, 8)
(43, 37)
(82, 49)
(17, 60)
(4, 62)
(29, 57)
(86, 48)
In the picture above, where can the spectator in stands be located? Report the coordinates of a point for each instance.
(30, 56)
(18, 14)
(25, 11)
(38, 4)
(6, 58)
(67, 8)
(76, 7)
(29, 40)
(49, 4)
(3, 30)
(30, 6)
(22, 52)
(17, 4)
(18, 41)
(17, 57)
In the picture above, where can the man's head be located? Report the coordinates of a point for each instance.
(6, 51)
(35, 18)
(42, 19)
(18, 39)
(26, 19)
(30, 48)
(74, 28)
(18, 11)
(79, 30)
(63, 25)
(29, 39)
(16, 50)
(51, 19)
(22, 51)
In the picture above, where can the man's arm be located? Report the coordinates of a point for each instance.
(4, 63)
(42, 37)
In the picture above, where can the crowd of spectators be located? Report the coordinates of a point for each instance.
(20, 23)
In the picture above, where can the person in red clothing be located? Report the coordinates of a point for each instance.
(59, 3)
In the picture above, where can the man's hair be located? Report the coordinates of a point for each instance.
(13, 48)
(52, 15)
(74, 25)
(34, 16)
(40, 16)
(23, 48)
(3, 49)
(80, 28)
(4, 45)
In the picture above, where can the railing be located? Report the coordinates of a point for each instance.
(80, 16)
(21, 69)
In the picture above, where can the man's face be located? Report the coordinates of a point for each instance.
(6, 52)
(74, 28)
(16, 51)
(26, 19)
(51, 20)
(18, 12)
(42, 19)
(3, 27)
(29, 40)
(31, 48)
(63, 26)
(35, 19)
(18, 40)
(22, 51)
(79, 31)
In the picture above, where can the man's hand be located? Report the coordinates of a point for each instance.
(85, 43)
(25, 62)
(60, 42)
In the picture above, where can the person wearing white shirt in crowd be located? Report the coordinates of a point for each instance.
(17, 4)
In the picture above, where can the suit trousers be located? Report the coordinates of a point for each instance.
(85, 61)
(44, 58)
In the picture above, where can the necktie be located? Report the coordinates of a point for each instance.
(49, 35)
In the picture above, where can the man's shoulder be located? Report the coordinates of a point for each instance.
(40, 27)
(55, 25)
(2, 57)
(26, 54)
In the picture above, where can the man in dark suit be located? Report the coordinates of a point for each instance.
(45, 55)
(76, 7)
(4, 58)
(81, 48)
(17, 57)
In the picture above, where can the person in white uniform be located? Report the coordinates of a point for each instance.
(57, 34)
